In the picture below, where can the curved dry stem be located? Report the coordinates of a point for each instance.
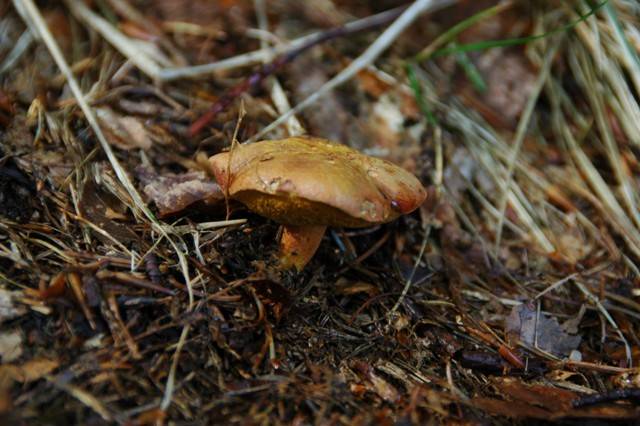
(298, 244)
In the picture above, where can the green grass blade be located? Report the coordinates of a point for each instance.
(453, 32)
(489, 44)
(418, 95)
(472, 72)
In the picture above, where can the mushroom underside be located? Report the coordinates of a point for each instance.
(292, 210)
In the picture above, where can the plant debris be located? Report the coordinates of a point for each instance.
(175, 193)
(134, 291)
(526, 325)
(16, 191)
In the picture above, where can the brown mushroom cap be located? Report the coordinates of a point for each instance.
(312, 181)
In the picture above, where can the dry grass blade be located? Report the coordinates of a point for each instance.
(418, 8)
(42, 29)
(409, 281)
(20, 48)
(110, 315)
(44, 32)
(491, 160)
(83, 396)
(615, 212)
(115, 37)
(517, 145)
(126, 9)
(205, 226)
(630, 56)
(170, 387)
(277, 92)
(261, 55)
(627, 188)
(593, 299)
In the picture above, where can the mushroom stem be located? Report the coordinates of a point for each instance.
(298, 244)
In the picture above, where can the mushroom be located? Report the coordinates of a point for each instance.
(307, 184)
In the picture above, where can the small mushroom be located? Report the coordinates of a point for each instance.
(307, 184)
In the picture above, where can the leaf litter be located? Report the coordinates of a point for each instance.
(525, 324)
(511, 295)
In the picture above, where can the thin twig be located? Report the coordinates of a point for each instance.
(123, 7)
(418, 8)
(121, 42)
(409, 281)
(555, 285)
(262, 55)
(593, 299)
(270, 68)
(278, 94)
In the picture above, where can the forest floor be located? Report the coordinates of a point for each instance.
(129, 295)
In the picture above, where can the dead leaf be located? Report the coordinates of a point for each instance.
(328, 118)
(11, 345)
(95, 204)
(6, 103)
(571, 325)
(134, 30)
(30, 371)
(572, 246)
(348, 288)
(463, 172)
(36, 368)
(56, 288)
(509, 84)
(547, 397)
(173, 193)
(523, 324)
(377, 384)
(154, 416)
(545, 402)
(16, 191)
(386, 123)
(508, 74)
(9, 308)
(372, 84)
(274, 296)
(46, 164)
(125, 132)
(510, 408)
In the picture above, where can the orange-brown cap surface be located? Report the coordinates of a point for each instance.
(312, 181)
